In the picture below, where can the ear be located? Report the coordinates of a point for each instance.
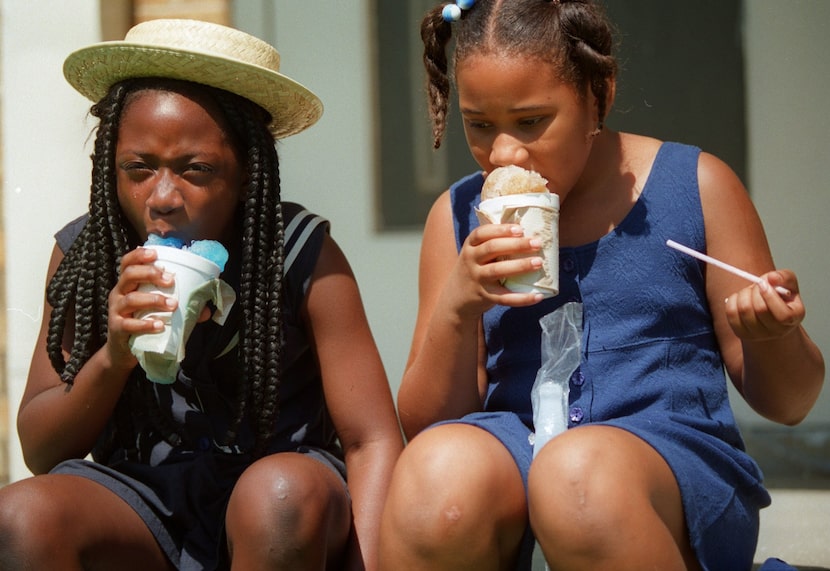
(610, 95)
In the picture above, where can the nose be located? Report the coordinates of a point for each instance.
(508, 150)
(165, 196)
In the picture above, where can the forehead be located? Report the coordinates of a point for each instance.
(156, 100)
(173, 113)
(489, 76)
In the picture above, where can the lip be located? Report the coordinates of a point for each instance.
(167, 233)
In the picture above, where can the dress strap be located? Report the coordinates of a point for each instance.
(297, 233)
(301, 227)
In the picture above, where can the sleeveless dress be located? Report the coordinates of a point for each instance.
(650, 361)
(181, 491)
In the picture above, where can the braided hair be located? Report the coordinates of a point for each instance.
(572, 35)
(79, 290)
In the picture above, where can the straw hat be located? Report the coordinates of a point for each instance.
(202, 52)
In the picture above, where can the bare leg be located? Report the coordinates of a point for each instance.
(288, 511)
(72, 523)
(603, 499)
(456, 502)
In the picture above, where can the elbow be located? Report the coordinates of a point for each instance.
(788, 416)
(792, 420)
(411, 424)
(39, 458)
(37, 465)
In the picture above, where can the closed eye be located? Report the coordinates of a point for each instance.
(136, 170)
(199, 174)
(199, 167)
(475, 124)
(531, 121)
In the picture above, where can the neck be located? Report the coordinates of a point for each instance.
(603, 195)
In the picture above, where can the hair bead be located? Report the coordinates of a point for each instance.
(452, 12)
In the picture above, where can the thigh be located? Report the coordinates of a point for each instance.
(82, 522)
(285, 505)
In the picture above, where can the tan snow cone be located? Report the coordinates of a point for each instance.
(513, 195)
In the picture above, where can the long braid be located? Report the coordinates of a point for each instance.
(83, 280)
(267, 388)
(436, 34)
(262, 273)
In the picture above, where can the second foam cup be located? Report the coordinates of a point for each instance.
(160, 352)
(538, 215)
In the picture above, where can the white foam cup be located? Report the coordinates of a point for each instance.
(189, 272)
(538, 214)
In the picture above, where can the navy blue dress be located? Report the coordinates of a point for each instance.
(181, 491)
(650, 360)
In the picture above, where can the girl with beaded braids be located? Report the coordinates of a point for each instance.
(651, 472)
(243, 459)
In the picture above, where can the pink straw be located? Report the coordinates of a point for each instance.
(723, 265)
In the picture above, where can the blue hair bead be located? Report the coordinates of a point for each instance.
(451, 13)
(465, 4)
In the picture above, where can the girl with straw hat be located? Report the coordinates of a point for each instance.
(242, 458)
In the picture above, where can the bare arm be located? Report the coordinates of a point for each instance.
(445, 377)
(768, 354)
(357, 394)
(57, 421)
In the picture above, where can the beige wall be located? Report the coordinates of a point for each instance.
(788, 78)
(46, 164)
(331, 167)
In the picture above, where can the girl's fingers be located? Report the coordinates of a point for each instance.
(487, 232)
(760, 312)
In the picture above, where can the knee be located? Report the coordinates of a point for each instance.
(574, 497)
(29, 519)
(287, 496)
(449, 489)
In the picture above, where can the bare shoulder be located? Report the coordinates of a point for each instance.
(734, 230)
(722, 193)
(439, 232)
(638, 153)
(639, 145)
(440, 213)
(716, 177)
(331, 259)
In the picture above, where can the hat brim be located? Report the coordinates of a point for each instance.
(94, 69)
